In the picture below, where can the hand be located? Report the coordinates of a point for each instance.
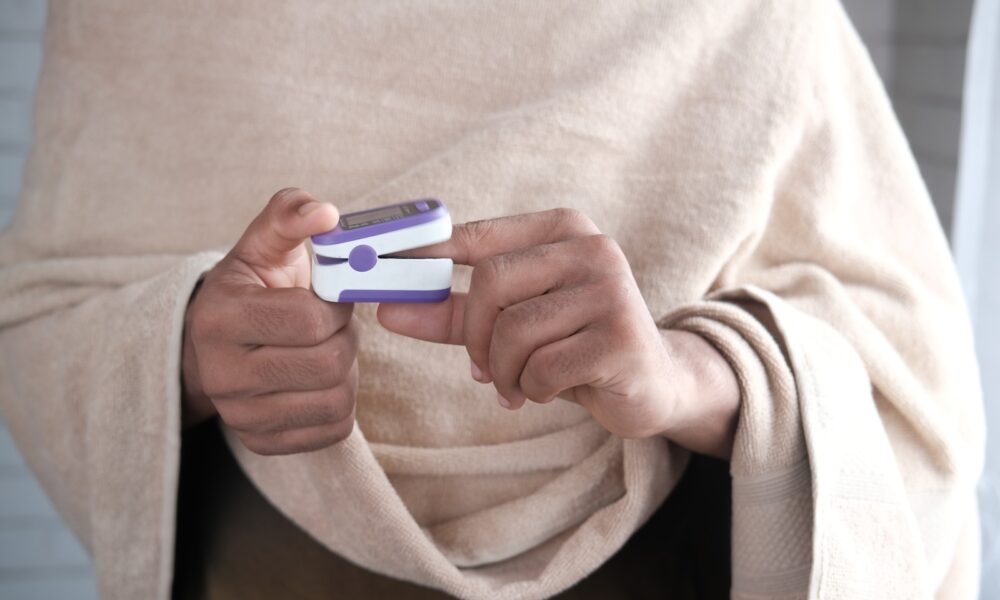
(553, 310)
(277, 363)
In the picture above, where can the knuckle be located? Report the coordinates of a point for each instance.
(308, 416)
(509, 318)
(326, 369)
(278, 372)
(512, 323)
(572, 220)
(328, 413)
(488, 273)
(270, 370)
(543, 368)
(207, 325)
(322, 370)
(279, 197)
(495, 366)
(273, 219)
(259, 445)
(476, 232)
(334, 365)
(212, 387)
(603, 244)
(264, 318)
(338, 405)
(536, 380)
(245, 421)
(515, 323)
(340, 432)
(314, 322)
(615, 293)
(566, 215)
(537, 393)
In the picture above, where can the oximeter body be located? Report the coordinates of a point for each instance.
(349, 263)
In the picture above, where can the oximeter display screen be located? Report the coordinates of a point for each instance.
(370, 218)
(380, 215)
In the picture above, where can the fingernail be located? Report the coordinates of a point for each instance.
(503, 401)
(477, 373)
(308, 207)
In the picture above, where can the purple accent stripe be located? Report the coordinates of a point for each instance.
(339, 236)
(394, 296)
(326, 260)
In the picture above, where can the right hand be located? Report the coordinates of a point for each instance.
(276, 363)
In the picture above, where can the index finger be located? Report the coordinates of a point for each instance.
(471, 243)
(254, 315)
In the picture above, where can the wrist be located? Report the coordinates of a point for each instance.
(195, 404)
(705, 414)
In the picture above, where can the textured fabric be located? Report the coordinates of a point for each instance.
(232, 544)
(744, 156)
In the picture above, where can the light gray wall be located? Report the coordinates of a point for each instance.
(875, 20)
(39, 557)
(917, 46)
(929, 69)
(21, 23)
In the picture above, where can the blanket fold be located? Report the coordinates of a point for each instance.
(103, 415)
(746, 160)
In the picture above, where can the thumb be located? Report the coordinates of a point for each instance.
(275, 237)
(274, 240)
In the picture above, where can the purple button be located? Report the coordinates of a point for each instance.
(362, 258)
(421, 206)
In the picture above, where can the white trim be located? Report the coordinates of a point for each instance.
(424, 274)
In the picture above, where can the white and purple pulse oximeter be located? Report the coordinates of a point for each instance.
(349, 263)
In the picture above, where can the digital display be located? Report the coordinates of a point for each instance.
(381, 215)
(367, 218)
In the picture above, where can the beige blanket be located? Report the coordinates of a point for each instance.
(744, 155)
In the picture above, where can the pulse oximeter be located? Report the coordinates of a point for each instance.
(349, 263)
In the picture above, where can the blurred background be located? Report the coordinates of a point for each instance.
(942, 77)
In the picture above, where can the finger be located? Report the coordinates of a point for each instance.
(533, 324)
(271, 413)
(276, 234)
(281, 368)
(270, 369)
(253, 315)
(472, 243)
(505, 280)
(296, 441)
(585, 358)
(439, 322)
(496, 284)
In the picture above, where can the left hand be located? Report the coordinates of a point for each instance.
(553, 310)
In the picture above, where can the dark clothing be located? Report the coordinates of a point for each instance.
(231, 543)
